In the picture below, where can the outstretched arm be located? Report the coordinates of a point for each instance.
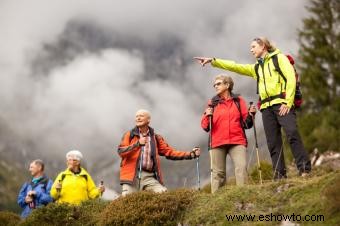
(203, 60)
(170, 153)
(244, 69)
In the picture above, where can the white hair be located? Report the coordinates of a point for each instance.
(74, 154)
(144, 111)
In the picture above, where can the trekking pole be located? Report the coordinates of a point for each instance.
(58, 189)
(100, 185)
(277, 164)
(198, 172)
(210, 136)
(256, 147)
(140, 166)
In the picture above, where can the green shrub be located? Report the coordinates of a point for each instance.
(9, 218)
(52, 214)
(266, 172)
(147, 208)
(65, 214)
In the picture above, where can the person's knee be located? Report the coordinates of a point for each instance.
(157, 188)
(240, 169)
(161, 189)
(127, 189)
(125, 192)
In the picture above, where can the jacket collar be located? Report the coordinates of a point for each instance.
(269, 55)
(217, 99)
(82, 171)
(135, 131)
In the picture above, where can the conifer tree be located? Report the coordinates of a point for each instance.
(319, 67)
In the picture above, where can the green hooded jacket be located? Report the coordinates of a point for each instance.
(271, 82)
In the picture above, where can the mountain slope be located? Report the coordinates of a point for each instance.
(310, 201)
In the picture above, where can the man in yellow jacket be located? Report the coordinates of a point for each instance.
(277, 101)
(75, 184)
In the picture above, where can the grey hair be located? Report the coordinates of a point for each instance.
(40, 163)
(144, 111)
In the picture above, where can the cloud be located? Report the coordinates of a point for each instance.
(75, 72)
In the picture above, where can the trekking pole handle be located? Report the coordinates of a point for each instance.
(59, 186)
(252, 113)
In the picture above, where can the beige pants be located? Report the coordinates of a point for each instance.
(148, 183)
(218, 165)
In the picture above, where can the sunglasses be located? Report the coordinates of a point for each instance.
(217, 84)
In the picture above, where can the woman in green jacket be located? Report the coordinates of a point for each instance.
(277, 101)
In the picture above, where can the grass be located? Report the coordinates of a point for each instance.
(317, 195)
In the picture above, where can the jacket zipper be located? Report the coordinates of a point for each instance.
(264, 80)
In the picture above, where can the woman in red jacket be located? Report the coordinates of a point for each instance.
(229, 115)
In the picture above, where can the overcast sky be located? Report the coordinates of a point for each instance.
(73, 73)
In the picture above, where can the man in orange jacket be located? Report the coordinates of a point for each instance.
(140, 149)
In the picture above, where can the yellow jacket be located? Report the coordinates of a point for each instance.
(270, 81)
(75, 187)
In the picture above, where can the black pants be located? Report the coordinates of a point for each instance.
(272, 123)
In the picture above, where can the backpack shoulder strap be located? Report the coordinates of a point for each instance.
(236, 100)
(132, 133)
(256, 67)
(277, 66)
(157, 137)
(63, 176)
(214, 101)
(44, 181)
(85, 176)
(131, 136)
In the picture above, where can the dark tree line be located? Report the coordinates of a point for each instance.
(319, 68)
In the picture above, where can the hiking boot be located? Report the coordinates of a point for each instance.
(279, 176)
(305, 174)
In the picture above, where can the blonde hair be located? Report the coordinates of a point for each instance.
(263, 41)
(226, 79)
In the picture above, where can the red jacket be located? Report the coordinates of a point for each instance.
(226, 122)
(130, 151)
